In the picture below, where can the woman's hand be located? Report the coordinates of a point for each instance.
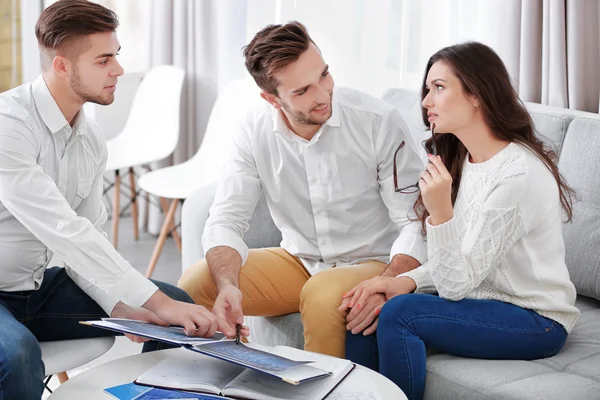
(389, 286)
(436, 190)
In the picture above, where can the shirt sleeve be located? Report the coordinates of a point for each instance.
(33, 198)
(235, 200)
(409, 165)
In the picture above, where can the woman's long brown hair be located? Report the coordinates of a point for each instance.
(483, 75)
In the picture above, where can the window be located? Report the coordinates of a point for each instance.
(10, 44)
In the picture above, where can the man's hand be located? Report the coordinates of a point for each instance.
(228, 308)
(363, 319)
(195, 320)
(122, 310)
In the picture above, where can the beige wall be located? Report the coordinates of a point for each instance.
(7, 63)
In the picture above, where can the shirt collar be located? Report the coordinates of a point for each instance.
(49, 111)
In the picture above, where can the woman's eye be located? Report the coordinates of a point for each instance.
(439, 87)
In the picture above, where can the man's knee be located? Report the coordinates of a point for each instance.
(21, 366)
(198, 283)
(322, 295)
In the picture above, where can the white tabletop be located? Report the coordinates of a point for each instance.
(89, 384)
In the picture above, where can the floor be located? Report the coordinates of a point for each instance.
(138, 254)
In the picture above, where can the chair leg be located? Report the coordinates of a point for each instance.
(134, 204)
(172, 230)
(116, 209)
(62, 377)
(160, 243)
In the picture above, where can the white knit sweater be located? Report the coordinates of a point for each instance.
(505, 240)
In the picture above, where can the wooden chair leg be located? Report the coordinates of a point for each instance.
(134, 204)
(62, 377)
(160, 243)
(174, 233)
(116, 209)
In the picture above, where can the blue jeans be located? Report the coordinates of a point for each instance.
(484, 329)
(50, 313)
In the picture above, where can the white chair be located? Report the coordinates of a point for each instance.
(150, 134)
(64, 355)
(179, 181)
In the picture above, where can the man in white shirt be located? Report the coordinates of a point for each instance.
(52, 161)
(325, 161)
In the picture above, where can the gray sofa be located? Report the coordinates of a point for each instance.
(574, 373)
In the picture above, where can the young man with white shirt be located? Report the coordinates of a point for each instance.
(52, 161)
(324, 160)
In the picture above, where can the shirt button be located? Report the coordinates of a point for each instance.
(60, 226)
(62, 184)
(93, 281)
(86, 192)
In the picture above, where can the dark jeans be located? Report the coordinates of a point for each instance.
(50, 313)
(484, 329)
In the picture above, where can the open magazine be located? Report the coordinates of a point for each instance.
(264, 360)
(187, 371)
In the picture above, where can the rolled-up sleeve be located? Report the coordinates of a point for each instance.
(409, 165)
(235, 200)
(34, 200)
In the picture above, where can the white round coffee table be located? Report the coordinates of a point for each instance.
(89, 384)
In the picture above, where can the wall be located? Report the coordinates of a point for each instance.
(10, 39)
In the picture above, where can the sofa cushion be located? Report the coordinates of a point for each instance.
(579, 165)
(552, 127)
(408, 104)
(571, 374)
(286, 330)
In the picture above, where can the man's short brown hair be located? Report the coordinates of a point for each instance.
(272, 49)
(64, 25)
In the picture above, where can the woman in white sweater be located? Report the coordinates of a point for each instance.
(491, 202)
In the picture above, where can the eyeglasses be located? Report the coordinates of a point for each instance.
(412, 188)
(408, 189)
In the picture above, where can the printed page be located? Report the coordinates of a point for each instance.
(191, 372)
(253, 384)
(259, 359)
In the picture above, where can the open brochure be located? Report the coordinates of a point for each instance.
(210, 375)
(168, 334)
(278, 366)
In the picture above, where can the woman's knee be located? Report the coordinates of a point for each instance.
(401, 309)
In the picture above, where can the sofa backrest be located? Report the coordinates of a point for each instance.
(580, 165)
(575, 136)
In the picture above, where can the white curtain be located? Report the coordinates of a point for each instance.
(550, 47)
(204, 38)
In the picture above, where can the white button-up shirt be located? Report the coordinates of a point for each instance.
(332, 197)
(51, 183)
